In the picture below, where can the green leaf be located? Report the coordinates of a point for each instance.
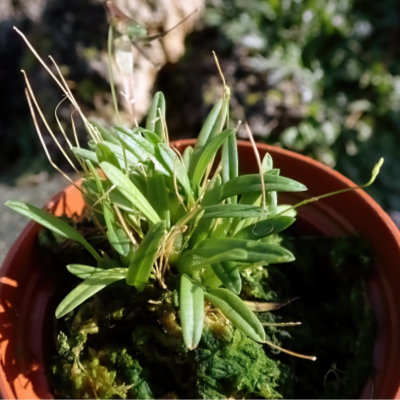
(104, 153)
(254, 251)
(142, 149)
(145, 257)
(123, 155)
(90, 286)
(157, 194)
(191, 261)
(271, 197)
(212, 123)
(85, 154)
(115, 235)
(82, 271)
(229, 275)
(233, 211)
(141, 146)
(265, 227)
(156, 115)
(211, 197)
(237, 312)
(251, 183)
(130, 191)
(187, 156)
(212, 126)
(52, 223)
(150, 136)
(176, 169)
(191, 311)
(207, 155)
(230, 159)
(104, 133)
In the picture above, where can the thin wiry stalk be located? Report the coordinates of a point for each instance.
(124, 226)
(374, 174)
(164, 127)
(282, 324)
(105, 194)
(82, 164)
(52, 163)
(64, 89)
(43, 118)
(74, 130)
(60, 127)
(110, 71)
(89, 127)
(180, 199)
(290, 352)
(227, 92)
(257, 155)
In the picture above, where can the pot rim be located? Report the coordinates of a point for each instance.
(392, 236)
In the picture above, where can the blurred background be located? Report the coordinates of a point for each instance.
(320, 77)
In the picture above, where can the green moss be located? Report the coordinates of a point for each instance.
(126, 346)
(236, 367)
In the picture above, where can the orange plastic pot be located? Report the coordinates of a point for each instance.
(27, 286)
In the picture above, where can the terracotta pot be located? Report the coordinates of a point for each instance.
(26, 289)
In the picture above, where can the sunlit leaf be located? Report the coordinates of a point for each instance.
(229, 275)
(156, 115)
(90, 286)
(145, 257)
(251, 183)
(130, 191)
(233, 307)
(191, 311)
(52, 223)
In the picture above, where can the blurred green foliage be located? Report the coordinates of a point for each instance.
(341, 62)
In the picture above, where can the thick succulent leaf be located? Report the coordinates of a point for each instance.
(207, 155)
(140, 148)
(191, 311)
(90, 286)
(233, 211)
(212, 126)
(233, 307)
(85, 154)
(271, 197)
(211, 197)
(213, 122)
(230, 159)
(251, 183)
(130, 191)
(254, 251)
(124, 155)
(115, 235)
(265, 227)
(187, 156)
(52, 223)
(104, 133)
(136, 142)
(190, 261)
(104, 153)
(82, 271)
(176, 169)
(145, 256)
(156, 115)
(150, 136)
(229, 275)
(157, 194)
(121, 202)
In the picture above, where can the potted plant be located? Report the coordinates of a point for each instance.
(169, 247)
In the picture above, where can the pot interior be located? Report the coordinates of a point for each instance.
(28, 284)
